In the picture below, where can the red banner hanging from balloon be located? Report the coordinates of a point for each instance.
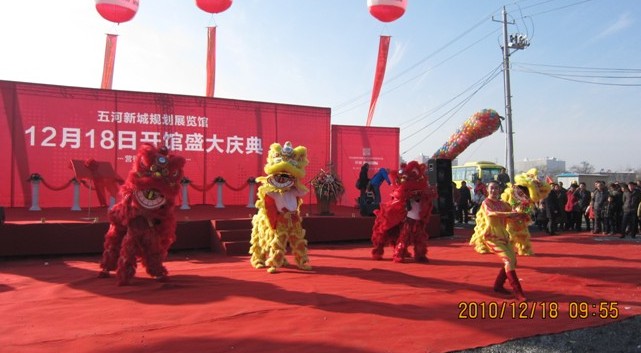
(110, 60)
(211, 60)
(381, 64)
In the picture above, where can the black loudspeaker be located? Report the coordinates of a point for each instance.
(439, 172)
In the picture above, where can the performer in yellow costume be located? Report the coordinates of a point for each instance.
(278, 222)
(522, 196)
(491, 235)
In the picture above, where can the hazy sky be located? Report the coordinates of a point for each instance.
(576, 90)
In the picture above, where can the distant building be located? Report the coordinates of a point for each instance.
(549, 166)
(589, 179)
(575, 178)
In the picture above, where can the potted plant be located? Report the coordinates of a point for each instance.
(328, 189)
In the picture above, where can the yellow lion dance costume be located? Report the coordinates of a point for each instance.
(278, 222)
(522, 196)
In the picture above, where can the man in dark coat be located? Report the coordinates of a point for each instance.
(553, 209)
(600, 198)
(464, 204)
(631, 202)
(583, 197)
(503, 178)
(617, 207)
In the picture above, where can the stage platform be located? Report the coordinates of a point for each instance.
(346, 303)
(221, 230)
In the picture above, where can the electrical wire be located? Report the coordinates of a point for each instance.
(453, 110)
(351, 101)
(578, 74)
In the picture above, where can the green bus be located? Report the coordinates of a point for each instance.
(470, 171)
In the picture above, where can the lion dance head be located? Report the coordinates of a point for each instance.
(154, 179)
(285, 168)
(410, 182)
(526, 191)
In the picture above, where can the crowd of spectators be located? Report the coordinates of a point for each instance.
(613, 209)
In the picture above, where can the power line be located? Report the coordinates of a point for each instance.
(493, 74)
(415, 65)
(482, 82)
(554, 9)
(574, 77)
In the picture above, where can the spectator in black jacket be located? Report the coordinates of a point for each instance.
(617, 209)
(584, 198)
(631, 202)
(464, 204)
(600, 198)
(553, 209)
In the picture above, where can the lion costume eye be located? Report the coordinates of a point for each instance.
(162, 160)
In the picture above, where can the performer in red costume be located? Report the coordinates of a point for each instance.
(491, 232)
(401, 222)
(143, 223)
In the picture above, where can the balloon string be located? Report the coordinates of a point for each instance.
(114, 28)
(212, 19)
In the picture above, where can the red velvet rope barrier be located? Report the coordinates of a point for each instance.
(236, 189)
(216, 181)
(56, 188)
(202, 188)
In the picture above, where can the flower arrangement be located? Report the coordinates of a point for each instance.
(328, 186)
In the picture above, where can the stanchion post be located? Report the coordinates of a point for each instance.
(219, 192)
(76, 196)
(185, 195)
(251, 203)
(35, 192)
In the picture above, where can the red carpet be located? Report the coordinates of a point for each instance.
(348, 303)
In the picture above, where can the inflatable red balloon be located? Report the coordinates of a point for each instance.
(213, 6)
(117, 11)
(387, 10)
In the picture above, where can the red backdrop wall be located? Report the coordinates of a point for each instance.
(354, 145)
(44, 127)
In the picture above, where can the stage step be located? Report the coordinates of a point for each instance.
(236, 248)
(233, 223)
(232, 236)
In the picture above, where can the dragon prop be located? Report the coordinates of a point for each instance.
(478, 126)
(278, 222)
(401, 222)
(143, 223)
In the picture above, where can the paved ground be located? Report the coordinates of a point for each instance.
(621, 336)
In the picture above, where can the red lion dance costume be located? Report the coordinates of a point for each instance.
(401, 222)
(143, 224)
(278, 222)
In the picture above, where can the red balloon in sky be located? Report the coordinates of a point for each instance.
(117, 11)
(387, 10)
(213, 6)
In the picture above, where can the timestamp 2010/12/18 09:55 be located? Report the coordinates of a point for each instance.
(533, 310)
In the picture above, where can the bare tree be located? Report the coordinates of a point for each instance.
(583, 168)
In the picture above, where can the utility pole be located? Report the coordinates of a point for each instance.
(516, 42)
